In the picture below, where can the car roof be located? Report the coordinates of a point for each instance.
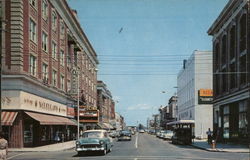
(95, 131)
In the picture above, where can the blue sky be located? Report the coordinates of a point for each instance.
(141, 44)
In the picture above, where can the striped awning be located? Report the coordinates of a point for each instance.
(7, 118)
(44, 119)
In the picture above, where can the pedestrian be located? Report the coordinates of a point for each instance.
(57, 138)
(209, 136)
(3, 147)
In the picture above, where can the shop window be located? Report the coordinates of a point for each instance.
(243, 123)
(32, 30)
(33, 66)
(45, 10)
(243, 33)
(226, 122)
(28, 133)
(232, 43)
(243, 69)
(224, 50)
(54, 50)
(54, 78)
(45, 42)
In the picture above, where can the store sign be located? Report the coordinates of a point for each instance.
(205, 96)
(74, 80)
(25, 101)
(88, 113)
(70, 112)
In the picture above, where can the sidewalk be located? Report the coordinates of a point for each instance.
(46, 148)
(202, 144)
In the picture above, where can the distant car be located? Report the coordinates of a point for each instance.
(124, 135)
(141, 131)
(94, 140)
(159, 133)
(168, 135)
(113, 134)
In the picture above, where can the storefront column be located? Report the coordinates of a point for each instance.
(16, 132)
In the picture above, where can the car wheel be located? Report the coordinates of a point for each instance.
(104, 152)
(80, 153)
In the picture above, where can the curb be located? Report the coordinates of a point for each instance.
(20, 150)
(218, 150)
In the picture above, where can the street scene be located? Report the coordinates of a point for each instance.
(125, 79)
(141, 147)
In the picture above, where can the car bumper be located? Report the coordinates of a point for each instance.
(124, 138)
(89, 149)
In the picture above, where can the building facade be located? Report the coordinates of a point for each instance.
(105, 105)
(44, 54)
(193, 82)
(173, 108)
(231, 69)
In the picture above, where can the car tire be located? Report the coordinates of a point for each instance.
(80, 153)
(104, 152)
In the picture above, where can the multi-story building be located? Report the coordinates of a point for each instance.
(194, 92)
(105, 105)
(231, 69)
(164, 116)
(173, 108)
(43, 46)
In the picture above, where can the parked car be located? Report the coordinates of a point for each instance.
(113, 134)
(158, 134)
(141, 131)
(94, 140)
(124, 135)
(168, 135)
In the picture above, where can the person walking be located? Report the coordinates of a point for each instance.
(209, 136)
(3, 147)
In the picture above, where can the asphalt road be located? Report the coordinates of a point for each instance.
(142, 147)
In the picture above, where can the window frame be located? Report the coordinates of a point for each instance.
(32, 31)
(45, 44)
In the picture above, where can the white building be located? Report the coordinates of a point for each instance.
(194, 78)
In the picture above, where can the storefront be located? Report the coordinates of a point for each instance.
(231, 122)
(29, 120)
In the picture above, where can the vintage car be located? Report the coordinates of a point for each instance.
(94, 140)
(124, 135)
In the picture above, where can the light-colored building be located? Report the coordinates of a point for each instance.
(194, 81)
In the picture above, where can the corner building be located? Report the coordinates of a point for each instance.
(41, 49)
(231, 70)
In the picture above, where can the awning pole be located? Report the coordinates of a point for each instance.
(78, 125)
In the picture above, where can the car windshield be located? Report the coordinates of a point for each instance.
(92, 135)
(125, 132)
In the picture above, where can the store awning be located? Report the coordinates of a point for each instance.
(181, 122)
(7, 118)
(50, 120)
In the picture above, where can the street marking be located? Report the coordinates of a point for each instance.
(15, 155)
(136, 141)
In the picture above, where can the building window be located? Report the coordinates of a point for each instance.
(243, 33)
(243, 69)
(54, 78)
(75, 58)
(44, 41)
(33, 3)
(233, 75)
(68, 85)
(62, 58)
(62, 82)
(54, 50)
(45, 73)
(224, 50)
(32, 30)
(45, 10)
(224, 80)
(33, 65)
(232, 43)
(62, 29)
(226, 122)
(54, 21)
(243, 119)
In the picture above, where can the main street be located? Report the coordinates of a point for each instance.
(142, 147)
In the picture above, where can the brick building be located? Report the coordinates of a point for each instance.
(43, 46)
(231, 69)
(106, 106)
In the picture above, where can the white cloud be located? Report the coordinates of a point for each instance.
(141, 107)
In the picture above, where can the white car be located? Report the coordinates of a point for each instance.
(168, 135)
(141, 131)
